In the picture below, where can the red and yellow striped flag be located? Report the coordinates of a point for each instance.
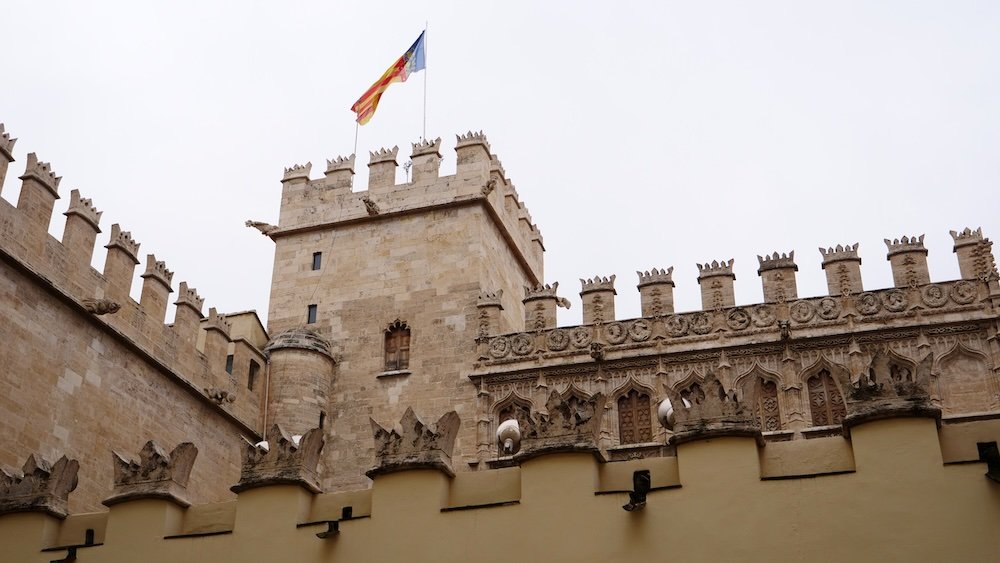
(411, 61)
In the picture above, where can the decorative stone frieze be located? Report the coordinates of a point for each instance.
(40, 486)
(282, 460)
(714, 414)
(156, 474)
(415, 445)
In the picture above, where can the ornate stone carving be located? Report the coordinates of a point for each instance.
(964, 292)
(867, 303)
(615, 333)
(415, 445)
(710, 412)
(895, 300)
(934, 295)
(220, 395)
(580, 337)
(499, 347)
(156, 474)
(738, 319)
(281, 460)
(676, 325)
(763, 316)
(570, 423)
(297, 172)
(42, 173)
(828, 308)
(84, 208)
(557, 340)
(801, 311)
(522, 344)
(101, 306)
(40, 486)
(370, 206)
(888, 390)
(340, 163)
(639, 330)
(265, 228)
(701, 323)
(597, 351)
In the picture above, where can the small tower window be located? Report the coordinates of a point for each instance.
(252, 374)
(397, 346)
(229, 364)
(317, 260)
(311, 314)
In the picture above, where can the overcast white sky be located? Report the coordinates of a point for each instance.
(639, 134)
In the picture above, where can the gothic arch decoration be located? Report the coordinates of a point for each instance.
(634, 404)
(510, 406)
(965, 381)
(759, 389)
(825, 393)
(690, 388)
(573, 391)
(397, 346)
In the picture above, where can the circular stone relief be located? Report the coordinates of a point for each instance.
(701, 323)
(675, 325)
(615, 333)
(868, 304)
(763, 316)
(521, 345)
(934, 295)
(640, 331)
(580, 337)
(738, 319)
(828, 308)
(895, 300)
(557, 340)
(802, 311)
(963, 292)
(499, 347)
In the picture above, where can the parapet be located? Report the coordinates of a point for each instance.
(6, 145)
(123, 241)
(776, 261)
(297, 172)
(42, 173)
(84, 208)
(906, 244)
(416, 445)
(40, 486)
(777, 275)
(156, 474)
(716, 281)
(656, 291)
(843, 269)
(656, 276)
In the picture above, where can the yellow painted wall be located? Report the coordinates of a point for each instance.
(884, 495)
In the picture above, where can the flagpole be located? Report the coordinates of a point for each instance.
(357, 126)
(425, 81)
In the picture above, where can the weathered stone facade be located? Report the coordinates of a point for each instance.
(429, 297)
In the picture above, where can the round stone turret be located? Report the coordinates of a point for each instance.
(301, 374)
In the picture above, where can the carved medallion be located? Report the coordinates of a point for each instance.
(580, 337)
(615, 333)
(521, 344)
(701, 323)
(868, 304)
(557, 340)
(801, 311)
(895, 300)
(934, 295)
(738, 319)
(763, 316)
(828, 309)
(640, 331)
(499, 347)
(676, 325)
(963, 292)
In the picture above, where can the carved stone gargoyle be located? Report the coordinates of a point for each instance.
(101, 306)
(571, 424)
(888, 391)
(156, 474)
(282, 461)
(40, 486)
(718, 413)
(416, 445)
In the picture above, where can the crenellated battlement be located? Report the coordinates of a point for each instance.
(598, 283)
(906, 244)
(427, 146)
(716, 268)
(471, 139)
(6, 144)
(967, 236)
(541, 291)
(383, 155)
(297, 172)
(776, 261)
(42, 173)
(656, 276)
(122, 240)
(340, 163)
(189, 296)
(157, 269)
(839, 252)
(84, 208)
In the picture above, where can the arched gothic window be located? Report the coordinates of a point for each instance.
(766, 409)
(634, 419)
(693, 394)
(825, 400)
(397, 346)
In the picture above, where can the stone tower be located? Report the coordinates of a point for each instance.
(391, 277)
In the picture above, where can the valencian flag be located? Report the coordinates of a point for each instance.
(411, 61)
